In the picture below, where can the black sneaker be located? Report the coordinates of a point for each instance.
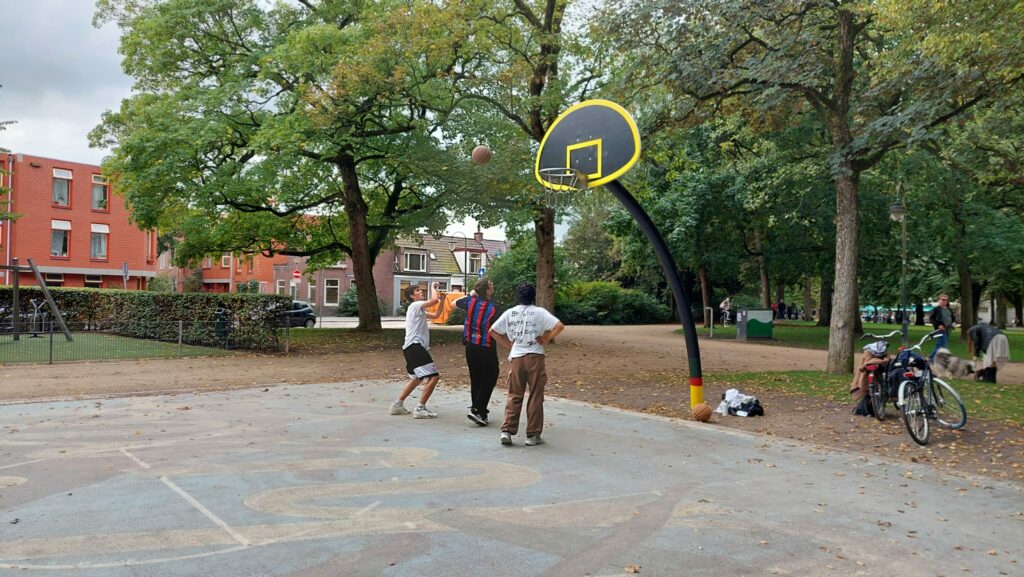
(477, 419)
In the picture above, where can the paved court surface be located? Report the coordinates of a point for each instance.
(318, 480)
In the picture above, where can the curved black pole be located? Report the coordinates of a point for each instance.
(669, 266)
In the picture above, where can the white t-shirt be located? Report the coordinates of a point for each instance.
(416, 329)
(522, 325)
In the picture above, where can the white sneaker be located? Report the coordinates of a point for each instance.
(421, 412)
(397, 408)
(506, 438)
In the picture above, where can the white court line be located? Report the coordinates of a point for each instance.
(22, 463)
(192, 501)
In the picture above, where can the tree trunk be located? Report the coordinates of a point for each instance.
(968, 315)
(780, 293)
(808, 299)
(544, 232)
(844, 301)
(825, 303)
(1000, 310)
(362, 262)
(919, 313)
(762, 265)
(1018, 300)
(705, 297)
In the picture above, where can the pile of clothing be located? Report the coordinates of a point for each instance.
(736, 403)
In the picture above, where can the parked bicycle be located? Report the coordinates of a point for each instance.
(881, 389)
(923, 397)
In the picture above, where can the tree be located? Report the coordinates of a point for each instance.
(302, 129)
(861, 66)
(524, 66)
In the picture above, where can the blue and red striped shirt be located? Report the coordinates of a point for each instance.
(480, 313)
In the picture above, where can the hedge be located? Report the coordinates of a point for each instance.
(606, 303)
(252, 319)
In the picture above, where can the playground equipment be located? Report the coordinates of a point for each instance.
(16, 315)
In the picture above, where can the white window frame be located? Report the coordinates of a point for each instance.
(94, 279)
(475, 256)
(99, 181)
(329, 284)
(225, 260)
(311, 292)
(422, 255)
(65, 227)
(281, 285)
(99, 229)
(64, 175)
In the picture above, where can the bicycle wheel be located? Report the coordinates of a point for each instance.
(950, 411)
(913, 412)
(878, 391)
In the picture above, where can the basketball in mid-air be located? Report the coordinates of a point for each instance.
(482, 155)
(701, 412)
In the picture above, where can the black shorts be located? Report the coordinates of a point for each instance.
(418, 362)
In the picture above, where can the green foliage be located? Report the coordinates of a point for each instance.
(349, 306)
(252, 286)
(607, 303)
(519, 265)
(161, 283)
(456, 317)
(252, 318)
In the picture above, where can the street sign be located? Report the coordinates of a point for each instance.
(482, 272)
(296, 274)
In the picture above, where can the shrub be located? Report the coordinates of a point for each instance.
(607, 303)
(154, 315)
(349, 305)
(456, 317)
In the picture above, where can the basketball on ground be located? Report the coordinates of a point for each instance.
(701, 412)
(482, 155)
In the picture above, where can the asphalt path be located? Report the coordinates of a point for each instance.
(319, 480)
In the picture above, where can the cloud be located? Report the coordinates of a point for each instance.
(60, 75)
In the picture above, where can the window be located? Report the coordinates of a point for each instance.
(281, 287)
(165, 260)
(60, 236)
(61, 187)
(100, 193)
(225, 260)
(54, 279)
(331, 291)
(311, 293)
(252, 260)
(476, 262)
(416, 261)
(207, 262)
(93, 281)
(294, 291)
(263, 287)
(98, 242)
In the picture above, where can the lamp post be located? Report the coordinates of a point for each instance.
(465, 257)
(898, 213)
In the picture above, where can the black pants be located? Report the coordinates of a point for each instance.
(987, 375)
(483, 374)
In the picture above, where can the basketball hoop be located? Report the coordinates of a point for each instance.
(559, 184)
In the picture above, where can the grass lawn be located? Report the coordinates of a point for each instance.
(94, 346)
(805, 334)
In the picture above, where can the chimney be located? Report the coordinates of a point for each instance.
(478, 236)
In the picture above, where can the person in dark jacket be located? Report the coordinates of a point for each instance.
(481, 352)
(981, 336)
(942, 319)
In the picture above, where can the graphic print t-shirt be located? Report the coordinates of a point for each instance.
(416, 330)
(522, 325)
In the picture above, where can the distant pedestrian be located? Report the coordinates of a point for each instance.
(418, 362)
(525, 329)
(992, 345)
(481, 350)
(942, 319)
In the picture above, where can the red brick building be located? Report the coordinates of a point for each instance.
(76, 231)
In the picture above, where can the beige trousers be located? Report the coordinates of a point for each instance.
(526, 374)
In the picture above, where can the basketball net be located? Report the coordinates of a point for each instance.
(559, 186)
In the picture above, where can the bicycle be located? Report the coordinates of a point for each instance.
(923, 397)
(726, 317)
(880, 390)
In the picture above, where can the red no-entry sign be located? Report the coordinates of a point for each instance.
(296, 274)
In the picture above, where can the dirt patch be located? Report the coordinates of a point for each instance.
(636, 368)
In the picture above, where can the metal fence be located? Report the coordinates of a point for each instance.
(42, 341)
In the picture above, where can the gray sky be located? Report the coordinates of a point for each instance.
(59, 74)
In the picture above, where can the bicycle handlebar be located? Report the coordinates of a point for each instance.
(880, 337)
(927, 338)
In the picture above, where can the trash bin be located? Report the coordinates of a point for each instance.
(754, 324)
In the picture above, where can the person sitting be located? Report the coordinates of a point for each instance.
(875, 355)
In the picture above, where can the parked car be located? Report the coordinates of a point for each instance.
(301, 315)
